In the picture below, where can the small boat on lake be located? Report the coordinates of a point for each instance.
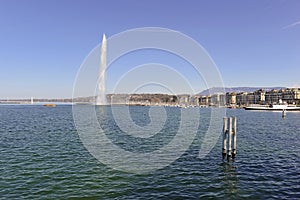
(49, 105)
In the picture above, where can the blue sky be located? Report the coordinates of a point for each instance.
(43, 43)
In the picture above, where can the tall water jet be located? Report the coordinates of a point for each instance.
(101, 98)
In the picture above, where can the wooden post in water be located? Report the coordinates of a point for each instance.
(229, 138)
(234, 139)
(283, 113)
(225, 132)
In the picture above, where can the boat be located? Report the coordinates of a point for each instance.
(276, 107)
(281, 106)
(49, 105)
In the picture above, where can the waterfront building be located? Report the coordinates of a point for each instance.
(273, 96)
(218, 99)
(215, 100)
(259, 97)
(194, 100)
(184, 99)
(241, 99)
(288, 95)
(231, 98)
(291, 96)
(256, 97)
(222, 99)
(204, 100)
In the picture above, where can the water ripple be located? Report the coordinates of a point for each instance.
(43, 157)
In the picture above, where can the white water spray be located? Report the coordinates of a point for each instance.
(101, 98)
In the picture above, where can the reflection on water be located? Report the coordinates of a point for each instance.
(230, 177)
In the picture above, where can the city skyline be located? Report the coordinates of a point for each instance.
(43, 44)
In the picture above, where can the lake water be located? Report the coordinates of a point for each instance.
(42, 157)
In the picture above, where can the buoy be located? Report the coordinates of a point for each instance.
(49, 105)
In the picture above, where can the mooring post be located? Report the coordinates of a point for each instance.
(225, 132)
(229, 139)
(234, 139)
(283, 113)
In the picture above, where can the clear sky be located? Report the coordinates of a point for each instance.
(43, 43)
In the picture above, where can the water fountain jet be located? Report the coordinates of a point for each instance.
(101, 96)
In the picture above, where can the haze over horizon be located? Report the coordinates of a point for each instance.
(43, 43)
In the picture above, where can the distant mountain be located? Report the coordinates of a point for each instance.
(216, 90)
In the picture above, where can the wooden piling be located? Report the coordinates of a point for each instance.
(225, 132)
(229, 139)
(234, 139)
(283, 113)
